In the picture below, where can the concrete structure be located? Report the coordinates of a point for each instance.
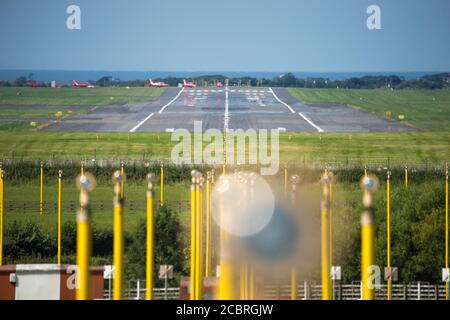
(45, 282)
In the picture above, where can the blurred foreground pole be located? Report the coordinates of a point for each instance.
(193, 235)
(1, 213)
(41, 189)
(388, 231)
(82, 169)
(227, 285)
(59, 213)
(369, 184)
(150, 237)
(118, 237)
(199, 238)
(161, 190)
(447, 293)
(325, 241)
(86, 183)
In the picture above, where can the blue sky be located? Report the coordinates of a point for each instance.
(233, 35)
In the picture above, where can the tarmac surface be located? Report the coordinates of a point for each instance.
(225, 109)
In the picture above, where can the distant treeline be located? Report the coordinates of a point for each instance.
(433, 81)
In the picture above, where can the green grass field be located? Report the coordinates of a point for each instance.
(40, 105)
(424, 109)
(76, 96)
(307, 148)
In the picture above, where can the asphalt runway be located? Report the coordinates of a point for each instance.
(226, 109)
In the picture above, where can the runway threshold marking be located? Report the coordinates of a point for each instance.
(319, 129)
(160, 111)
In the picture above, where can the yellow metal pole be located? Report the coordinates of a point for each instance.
(82, 169)
(331, 203)
(59, 213)
(150, 236)
(227, 286)
(208, 226)
(388, 231)
(447, 293)
(199, 239)
(122, 183)
(1, 213)
(41, 190)
(325, 241)
(193, 236)
(86, 183)
(365, 171)
(369, 184)
(406, 176)
(295, 180)
(118, 238)
(161, 190)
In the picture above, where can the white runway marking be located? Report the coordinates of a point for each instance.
(172, 101)
(300, 114)
(226, 117)
(310, 122)
(141, 123)
(285, 104)
(160, 111)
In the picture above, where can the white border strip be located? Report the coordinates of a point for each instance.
(319, 129)
(141, 123)
(173, 100)
(310, 122)
(160, 111)
(278, 99)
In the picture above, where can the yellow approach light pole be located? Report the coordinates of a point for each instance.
(447, 294)
(86, 183)
(161, 190)
(369, 185)
(193, 272)
(1, 212)
(150, 237)
(59, 213)
(295, 180)
(118, 237)
(388, 233)
(82, 169)
(41, 189)
(406, 176)
(325, 243)
(122, 184)
(199, 238)
(208, 225)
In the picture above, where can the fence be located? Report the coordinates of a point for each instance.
(308, 291)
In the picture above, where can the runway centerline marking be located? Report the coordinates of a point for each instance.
(160, 111)
(319, 129)
(226, 116)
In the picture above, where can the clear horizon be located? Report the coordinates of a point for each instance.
(322, 36)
